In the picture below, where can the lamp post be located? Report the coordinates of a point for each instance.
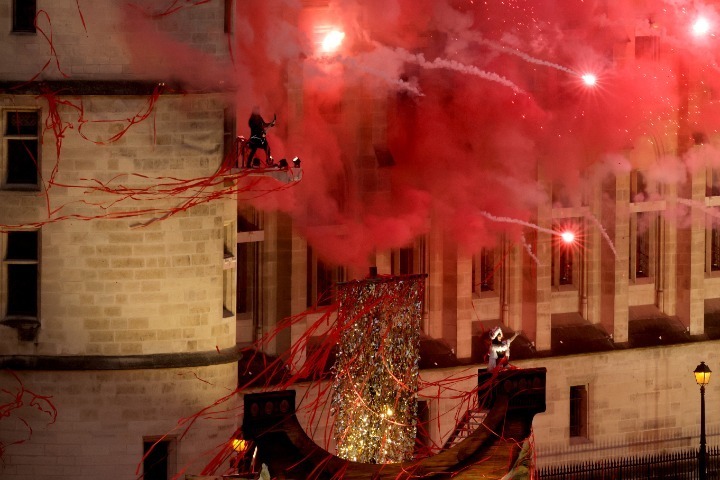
(702, 377)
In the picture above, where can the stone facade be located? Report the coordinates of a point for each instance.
(141, 284)
(103, 417)
(131, 338)
(641, 401)
(641, 397)
(138, 285)
(90, 42)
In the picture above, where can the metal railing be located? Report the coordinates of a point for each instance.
(668, 466)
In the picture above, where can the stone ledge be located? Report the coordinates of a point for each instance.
(27, 328)
(120, 362)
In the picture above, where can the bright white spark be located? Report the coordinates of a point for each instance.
(589, 79)
(701, 27)
(332, 41)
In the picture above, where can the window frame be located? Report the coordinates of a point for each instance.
(321, 280)
(569, 255)
(6, 272)
(647, 47)
(6, 137)
(712, 182)
(486, 265)
(229, 269)
(249, 270)
(712, 249)
(230, 146)
(579, 412)
(23, 28)
(170, 459)
(642, 189)
(228, 16)
(419, 252)
(641, 235)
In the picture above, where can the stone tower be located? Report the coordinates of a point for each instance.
(117, 276)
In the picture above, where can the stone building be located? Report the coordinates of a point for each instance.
(620, 323)
(112, 297)
(129, 321)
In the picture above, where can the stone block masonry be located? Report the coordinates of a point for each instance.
(103, 416)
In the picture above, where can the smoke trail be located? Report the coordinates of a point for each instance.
(401, 84)
(511, 51)
(441, 63)
(528, 248)
(523, 223)
(603, 232)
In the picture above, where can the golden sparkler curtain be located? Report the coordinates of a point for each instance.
(376, 371)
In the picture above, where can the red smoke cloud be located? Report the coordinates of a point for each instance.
(479, 98)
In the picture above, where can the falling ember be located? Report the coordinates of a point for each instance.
(701, 27)
(567, 237)
(252, 462)
(589, 79)
(332, 41)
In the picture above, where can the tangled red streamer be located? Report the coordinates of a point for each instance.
(12, 404)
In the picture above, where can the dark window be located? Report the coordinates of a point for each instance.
(403, 261)
(562, 263)
(22, 245)
(247, 274)
(713, 183)
(642, 249)
(310, 279)
(21, 162)
(326, 277)
(487, 270)
(638, 187)
(229, 267)
(22, 290)
(228, 20)
(230, 146)
(22, 139)
(566, 266)
(715, 249)
(155, 460)
(647, 47)
(578, 411)
(22, 273)
(249, 266)
(248, 219)
(244, 280)
(24, 12)
(22, 123)
(321, 280)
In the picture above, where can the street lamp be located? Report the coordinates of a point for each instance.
(702, 377)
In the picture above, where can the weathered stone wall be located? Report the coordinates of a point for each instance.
(103, 416)
(150, 279)
(131, 255)
(640, 401)
(93, 40)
